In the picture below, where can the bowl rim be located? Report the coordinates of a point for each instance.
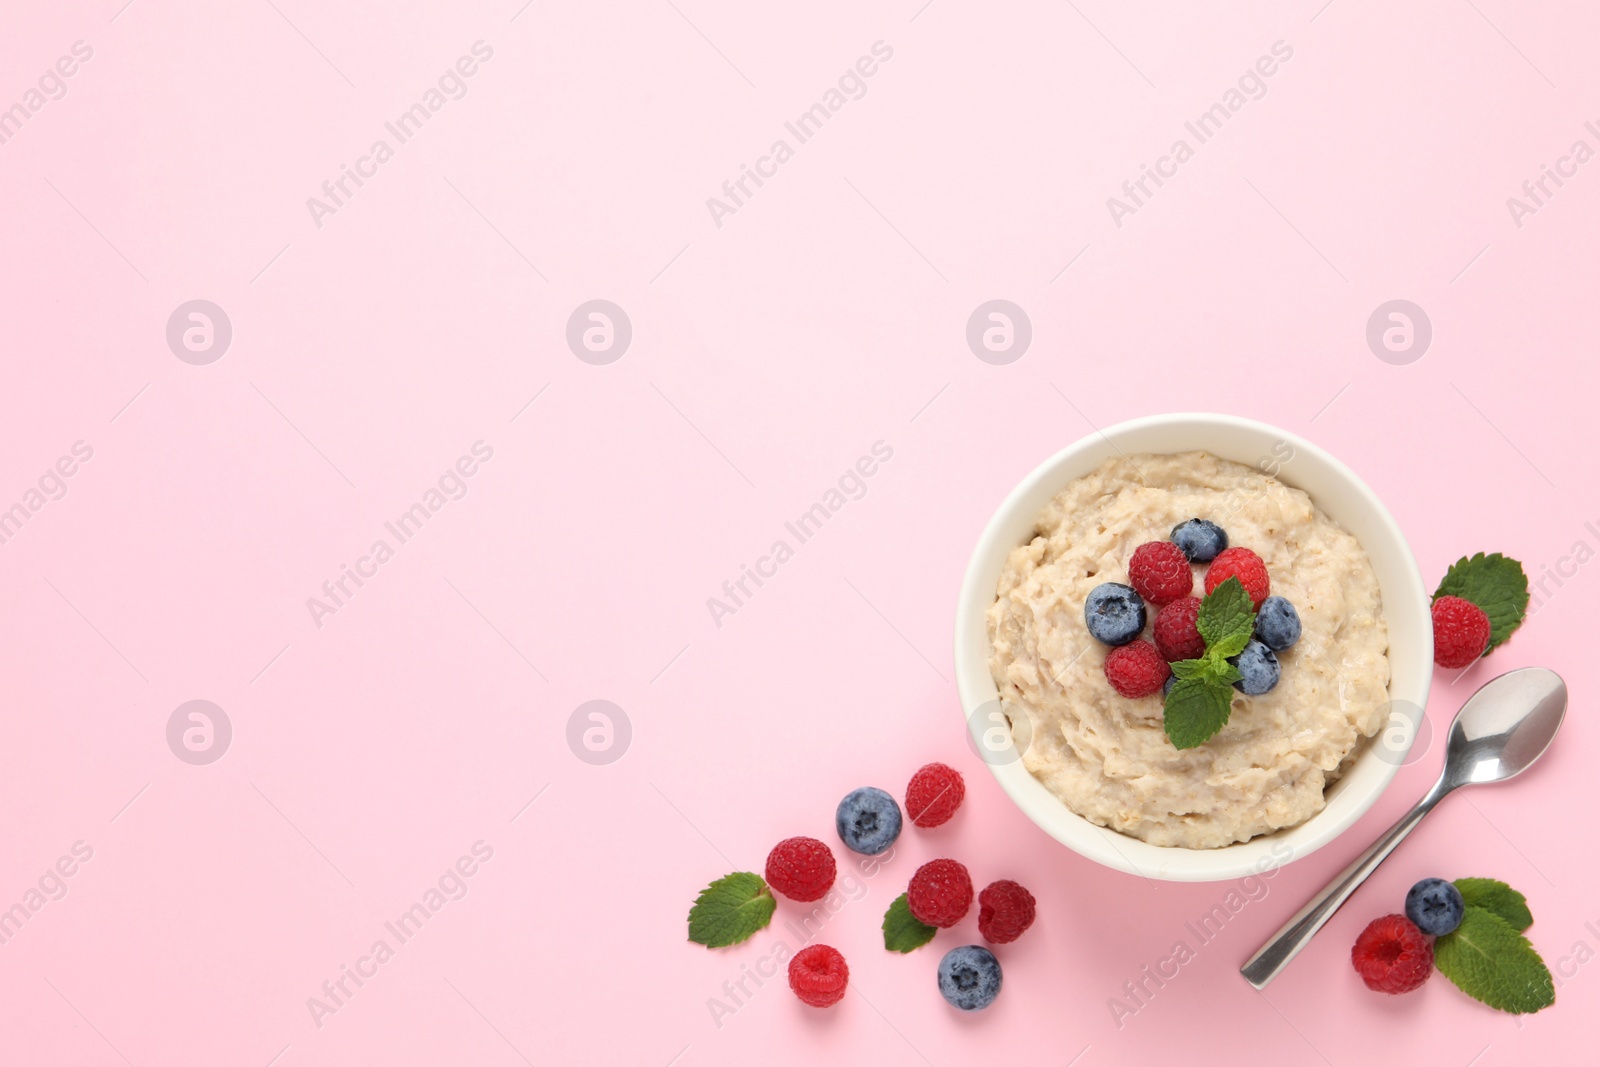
(976, 687)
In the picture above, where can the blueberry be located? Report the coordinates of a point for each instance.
(969, 977)
(1166, 686)
(868, 820)
(1200, 539)
(1114, 613)
(1259, 665)
(1277, 624)
(1435, 906)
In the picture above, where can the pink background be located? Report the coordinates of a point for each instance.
(827, 313)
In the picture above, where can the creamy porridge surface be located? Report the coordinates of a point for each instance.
(1105, 755)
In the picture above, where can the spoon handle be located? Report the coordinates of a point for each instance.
(1286, 944)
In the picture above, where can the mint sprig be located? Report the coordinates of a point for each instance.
(1495, 583)
(903, 931)
(1202, 698)
(1489, 960)
(731, 910)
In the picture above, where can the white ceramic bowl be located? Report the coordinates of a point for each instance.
(1339, 493)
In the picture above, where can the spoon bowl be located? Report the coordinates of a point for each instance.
(1505, 727)
(1500, 731)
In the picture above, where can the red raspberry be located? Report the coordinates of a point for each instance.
(1136, 669)
(1159, 572)
(818, 975)
(1392, 955)
(1175, 632)
(940, 893)
(934, 795)
(1005, 910)
(1245, 565)
(801, 868)
(1460, 632)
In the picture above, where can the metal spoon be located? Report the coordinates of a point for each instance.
(1499, 732)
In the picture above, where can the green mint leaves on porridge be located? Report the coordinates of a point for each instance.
(1202, 698)
(1226, 620)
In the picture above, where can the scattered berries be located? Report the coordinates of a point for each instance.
(1200, 539)
(801, 868)
(935, 792)
(1277, 624)
(940, 893)
(1259, 665)
(1460, 632)
(1005, 911)
(868, 820)
(1435, 905)
(1175, 633)
(1114, 613)
(818, 975)
(1159, 572)
(1137, 669)
(1245, 565)
(969, 977)
(1392, 955)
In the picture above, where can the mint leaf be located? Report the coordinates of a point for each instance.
(1231, 645)
(1497, 897)
(903, 931)
(730, 910)
(1490, 961)
(1190, 668)
(1226, 614)
(1496, 584)
(1195, 710)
